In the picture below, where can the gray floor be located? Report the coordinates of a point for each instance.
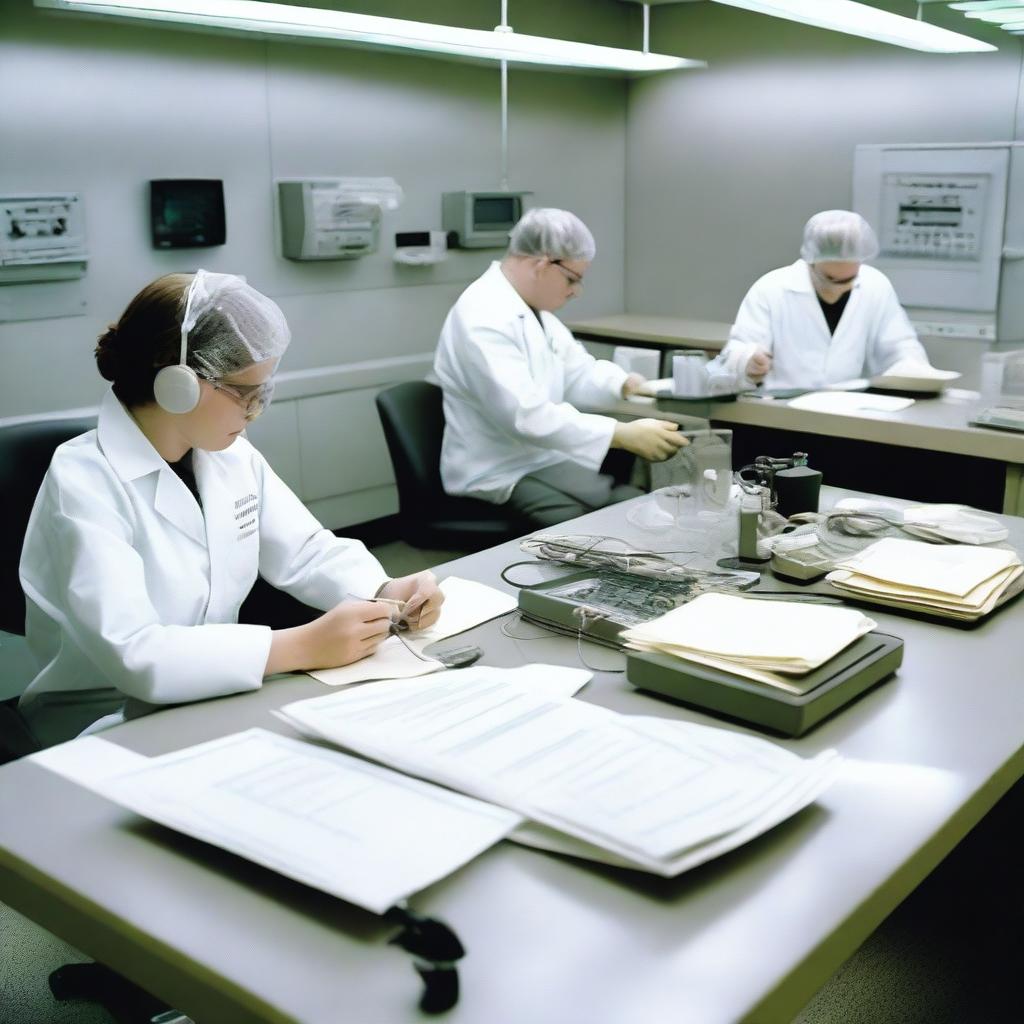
(950, 954)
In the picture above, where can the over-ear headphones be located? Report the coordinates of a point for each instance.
(176, 388)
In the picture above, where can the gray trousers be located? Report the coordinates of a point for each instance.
(563, 491)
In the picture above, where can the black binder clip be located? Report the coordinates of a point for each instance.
(435, 950)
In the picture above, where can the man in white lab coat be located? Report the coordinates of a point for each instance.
(513, 377)
(824, 319)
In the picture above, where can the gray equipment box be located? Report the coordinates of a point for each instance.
(845, 677)
(598, 604)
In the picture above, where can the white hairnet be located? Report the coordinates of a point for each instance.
(557, 234)
(230, 325)
(839, 235)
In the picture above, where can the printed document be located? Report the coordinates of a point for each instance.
(358, 831)
(648, 791)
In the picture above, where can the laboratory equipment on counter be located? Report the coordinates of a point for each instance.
(791, 712)
(481, 220)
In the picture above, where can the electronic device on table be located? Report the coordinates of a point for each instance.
(1000, 417)
(599, 604)
(853, 671)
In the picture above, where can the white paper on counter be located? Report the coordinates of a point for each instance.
(466, 604)
(356, 830)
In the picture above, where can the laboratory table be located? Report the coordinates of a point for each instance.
(748, 937)
(928, 445)
(646, 330)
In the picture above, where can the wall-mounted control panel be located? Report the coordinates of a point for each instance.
(322, 219)
(939, 214)
(42, 237)
(935, 216)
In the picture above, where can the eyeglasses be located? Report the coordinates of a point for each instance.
(575, 280)
(253, 398)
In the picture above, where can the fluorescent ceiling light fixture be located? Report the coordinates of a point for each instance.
(988, 5)
(861, 20)
(365, 29)
(996, 13)
(1007, 14)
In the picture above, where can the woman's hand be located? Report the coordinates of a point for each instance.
(421, 598)
(348, 632)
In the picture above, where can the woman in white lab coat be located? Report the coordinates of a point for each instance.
(149, 531)
(513, 377)
(824, 319)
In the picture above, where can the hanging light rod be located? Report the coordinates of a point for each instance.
(859, 19)
(392, 33)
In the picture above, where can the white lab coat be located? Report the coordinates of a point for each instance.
(130, 585)
(511, 384)
(781, 313)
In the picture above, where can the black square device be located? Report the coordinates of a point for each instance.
(186, 213)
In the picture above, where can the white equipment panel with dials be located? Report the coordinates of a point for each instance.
(939, 213)
(934, 216)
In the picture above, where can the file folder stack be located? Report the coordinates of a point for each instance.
(762, 640)
(957, 581)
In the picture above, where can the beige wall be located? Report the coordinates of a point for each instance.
(100, 108)
(725, 165)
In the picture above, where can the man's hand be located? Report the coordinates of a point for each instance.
(421, 596)
(758, 364)
(654, 440)
(632, 384)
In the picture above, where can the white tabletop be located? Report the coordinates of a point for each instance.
(750, 936)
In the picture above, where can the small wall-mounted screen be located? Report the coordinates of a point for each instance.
(496, 212)
(187, 213)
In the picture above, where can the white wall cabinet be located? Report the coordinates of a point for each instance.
(322, 435)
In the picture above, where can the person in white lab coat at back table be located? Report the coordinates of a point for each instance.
(824, 319)
(513, 377)
(148, 532)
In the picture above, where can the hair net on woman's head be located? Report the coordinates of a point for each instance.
(839, 235)
(557, 234)
(230, 325)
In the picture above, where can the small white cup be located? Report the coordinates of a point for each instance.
(689, 373)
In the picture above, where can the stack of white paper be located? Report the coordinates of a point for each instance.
(958, 581)
(849, 403)
(762, 640)
(913, 375)
(353, 829)
(654, 794)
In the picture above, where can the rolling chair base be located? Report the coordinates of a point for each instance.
(124, 1000)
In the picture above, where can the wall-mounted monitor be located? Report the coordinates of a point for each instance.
(186, 213)
(480, 220)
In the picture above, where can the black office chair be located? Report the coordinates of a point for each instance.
(412, 415)
(25, 453)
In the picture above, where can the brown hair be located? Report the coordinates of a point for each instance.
(145, 339)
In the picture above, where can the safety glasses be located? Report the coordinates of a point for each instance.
(253, 398)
